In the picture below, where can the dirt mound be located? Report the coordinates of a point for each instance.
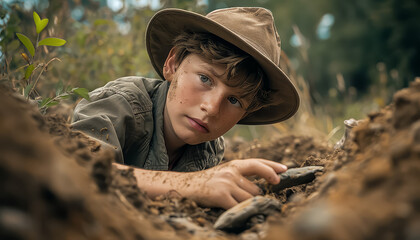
(58, 184)
(372, 191)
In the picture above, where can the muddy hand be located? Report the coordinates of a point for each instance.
(226, 185)
(292, 177)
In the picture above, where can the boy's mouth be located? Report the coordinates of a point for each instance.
(198, 125)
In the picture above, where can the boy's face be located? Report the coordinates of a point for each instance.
(200, 106)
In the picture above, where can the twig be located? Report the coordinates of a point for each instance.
(17, 69)
(39, 76)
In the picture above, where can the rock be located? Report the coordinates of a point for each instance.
(292, 177)
(15, 224)
(350, 124)
(235, 218)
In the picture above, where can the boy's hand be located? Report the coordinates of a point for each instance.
(221, 186)
(225, 185)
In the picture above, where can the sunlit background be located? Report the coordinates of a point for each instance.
(346, 57)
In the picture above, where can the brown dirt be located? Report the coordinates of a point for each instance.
(58, 184)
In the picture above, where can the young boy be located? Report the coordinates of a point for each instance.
(218, 70)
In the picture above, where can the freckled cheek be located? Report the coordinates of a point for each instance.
(188, 97)
(183, 97)
(184, 101)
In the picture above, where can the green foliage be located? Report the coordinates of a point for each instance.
(55, 42)
(27, 43)
(28, 72)
(29, 83)
(100, 52)
(61, 94)
(40, 24)
(82, 92)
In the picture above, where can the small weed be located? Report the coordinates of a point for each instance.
(29, 82)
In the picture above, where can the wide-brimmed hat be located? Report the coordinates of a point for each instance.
(251, 29)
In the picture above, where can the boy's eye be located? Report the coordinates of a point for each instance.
(234, 101)
(204, 78)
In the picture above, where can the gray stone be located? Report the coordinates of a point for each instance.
(349, 124)
(237, 216)
(292, 177)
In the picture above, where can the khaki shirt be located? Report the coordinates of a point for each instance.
(126, 115)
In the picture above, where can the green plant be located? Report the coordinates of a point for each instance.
(29, 82)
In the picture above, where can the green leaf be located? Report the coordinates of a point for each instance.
(27, 89)
(55, 42)
(40, 24)
(27, 43)
(29, 71)
(43, 102)
(52, 103)
(82, 92)
(64, 96)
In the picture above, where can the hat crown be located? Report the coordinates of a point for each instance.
(254, 25)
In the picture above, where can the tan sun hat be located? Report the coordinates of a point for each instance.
(250, 29)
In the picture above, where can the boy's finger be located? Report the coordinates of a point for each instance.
(278, 167)
(263, 169)
(240, 195)
(228, 202)
(248, 186)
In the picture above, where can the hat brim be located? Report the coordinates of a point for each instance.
(169, 23)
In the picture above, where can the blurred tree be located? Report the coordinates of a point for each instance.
(369, 32)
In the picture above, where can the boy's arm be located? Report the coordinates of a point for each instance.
(222, 186)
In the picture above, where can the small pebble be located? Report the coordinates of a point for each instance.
(15, 220)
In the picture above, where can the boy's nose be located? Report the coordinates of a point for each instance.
(211, 104)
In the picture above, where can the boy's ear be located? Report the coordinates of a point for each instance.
(169, 68)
